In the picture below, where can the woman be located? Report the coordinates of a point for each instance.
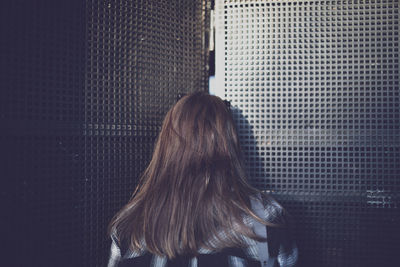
(194, 206)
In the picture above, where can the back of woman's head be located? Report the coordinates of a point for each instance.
(194, 192)
(197, 140)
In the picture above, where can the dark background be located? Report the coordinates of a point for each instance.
(85, 85)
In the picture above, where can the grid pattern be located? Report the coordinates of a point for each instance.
(315, 88)
(140, 55)
(84, 88)
(42, 76)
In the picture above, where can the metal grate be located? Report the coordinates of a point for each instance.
(141, 55)
(315, 85)
(42, 76)
(85, 87)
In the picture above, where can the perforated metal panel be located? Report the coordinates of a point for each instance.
(42, 57)
(84, 87)
(141, 55)
(315, 86)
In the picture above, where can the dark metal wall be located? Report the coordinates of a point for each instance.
(41, 112)
(315, 85)
(84, 87)
(140, 55)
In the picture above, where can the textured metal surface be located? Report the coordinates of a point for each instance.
(84, 87)
(315, 86)
(41, 106)
(142, 54)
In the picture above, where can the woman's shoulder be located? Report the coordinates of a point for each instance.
(272, 211)
(279, 235)
(121, 249)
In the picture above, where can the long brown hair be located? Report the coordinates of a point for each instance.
(194, 192)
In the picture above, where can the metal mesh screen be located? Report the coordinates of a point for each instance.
(141, 55)
(84, 87)
(315, 85)
(42, 61)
